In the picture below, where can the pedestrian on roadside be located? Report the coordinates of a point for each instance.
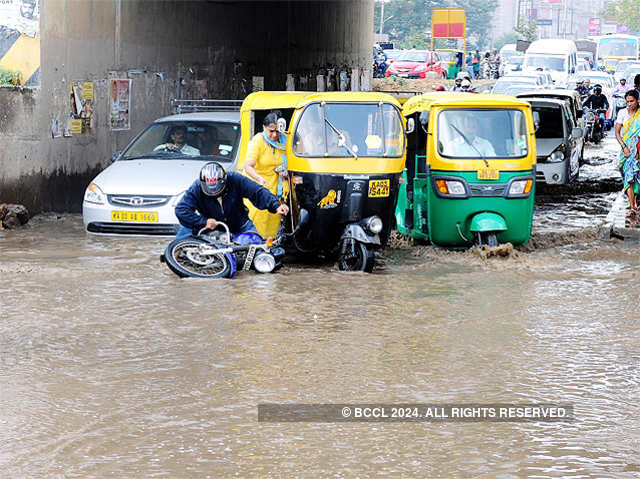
(476, 65)
(628, 136)
(469, 65)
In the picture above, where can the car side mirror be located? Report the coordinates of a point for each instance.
(576, 132)
(411, 125)
(424, 119)
(116, 156)
(536, 120)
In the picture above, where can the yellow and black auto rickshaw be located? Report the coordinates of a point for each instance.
(345, 153)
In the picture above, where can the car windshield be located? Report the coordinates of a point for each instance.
(349, 130)
(516, 60)
(392, 54)
(551, 125)
(491, 133)
(447, 56)
(548, 62)
(618, 47)
(413, 56)
(198, 139)
(605, 80)
(503, 86)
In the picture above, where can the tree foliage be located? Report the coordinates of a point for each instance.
(625, 12)
(526, 30)
(499, 42)
(410, 20)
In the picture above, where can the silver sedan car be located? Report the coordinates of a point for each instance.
(138, 192)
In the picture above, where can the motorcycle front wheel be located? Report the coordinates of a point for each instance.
(356, 256)
(184, 258)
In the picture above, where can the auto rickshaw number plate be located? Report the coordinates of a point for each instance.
(488, 174)
(378, 188)
(135, 216)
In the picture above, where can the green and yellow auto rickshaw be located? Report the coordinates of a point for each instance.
(470, 172)
(345, 153)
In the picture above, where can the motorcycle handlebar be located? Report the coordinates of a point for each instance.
(219, 223)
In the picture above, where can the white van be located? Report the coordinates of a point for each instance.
(556, 55)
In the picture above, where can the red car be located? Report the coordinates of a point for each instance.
(416, 63)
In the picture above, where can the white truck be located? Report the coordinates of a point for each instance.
(558, 56)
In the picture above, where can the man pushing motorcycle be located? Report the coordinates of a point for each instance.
(218, 196)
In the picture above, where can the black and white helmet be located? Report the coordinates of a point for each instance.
(213, 179)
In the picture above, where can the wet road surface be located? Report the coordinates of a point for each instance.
(111, 366)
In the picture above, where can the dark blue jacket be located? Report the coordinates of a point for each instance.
(195, 207)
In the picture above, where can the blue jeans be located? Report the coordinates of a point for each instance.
(183, 232)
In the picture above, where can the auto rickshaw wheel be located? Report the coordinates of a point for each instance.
(488, 238)
(356, 256)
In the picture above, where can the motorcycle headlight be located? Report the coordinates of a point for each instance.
(555, 157)
(374, 225)
(264, 263)
(176, 199)
(94, 194)
(520, 187)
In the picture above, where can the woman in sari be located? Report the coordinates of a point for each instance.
(265, 153)
(628, 135)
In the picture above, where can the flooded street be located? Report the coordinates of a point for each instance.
(111, 366)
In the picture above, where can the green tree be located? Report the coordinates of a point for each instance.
(499, 42)
(625, 12)
(406, 20)
(526, 30)
(479, 16)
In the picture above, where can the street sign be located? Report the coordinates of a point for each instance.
(544, 22)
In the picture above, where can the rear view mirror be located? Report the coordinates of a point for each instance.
(411, 125)
(424, 119)
(536, 120)
(576, 133)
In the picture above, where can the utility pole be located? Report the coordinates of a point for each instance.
(381, 16)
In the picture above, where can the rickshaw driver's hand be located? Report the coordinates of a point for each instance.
(283, 210)
(211, 224)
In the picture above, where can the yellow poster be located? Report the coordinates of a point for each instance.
(87, 90)
(76, 127)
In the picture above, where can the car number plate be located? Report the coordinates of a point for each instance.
(378, 188)
(135, 216)
(488, 174)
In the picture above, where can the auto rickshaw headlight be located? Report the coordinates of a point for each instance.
(555, 157)
(374, 225)
(520, 187)
(450, 187)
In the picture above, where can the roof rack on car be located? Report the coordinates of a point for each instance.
(191, 106)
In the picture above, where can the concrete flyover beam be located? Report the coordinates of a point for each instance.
(168, 49)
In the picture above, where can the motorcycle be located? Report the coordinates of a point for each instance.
(379, 66)
(593, 123)
(219, 255)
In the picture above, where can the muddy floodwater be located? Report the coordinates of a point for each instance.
(111, 366)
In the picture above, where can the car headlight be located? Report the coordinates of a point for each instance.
(451, 187)
(94, 195)
(176, 199)
(555, 157)
(264, 263)
(520, 187)
(374, 225)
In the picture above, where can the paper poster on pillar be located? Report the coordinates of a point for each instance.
(20, 42)
(119, 118)
(82, 105)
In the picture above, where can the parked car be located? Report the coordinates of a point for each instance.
(416, 64)
(138, 192)
(559, 141)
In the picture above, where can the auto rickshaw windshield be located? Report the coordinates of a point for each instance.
(349, 130)
(495, 133)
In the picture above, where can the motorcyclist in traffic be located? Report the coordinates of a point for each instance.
(218, 196)
(622, 87)
(465, 86)
(380, 64)
(582, 90)
(597, 101)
